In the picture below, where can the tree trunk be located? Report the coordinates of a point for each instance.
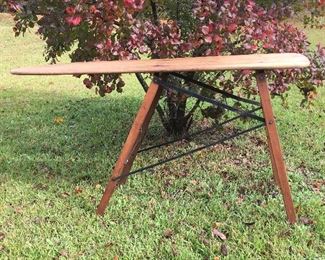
(178, 121)
(173, 116)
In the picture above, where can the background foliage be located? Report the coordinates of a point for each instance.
(58, 144)
(133, 29)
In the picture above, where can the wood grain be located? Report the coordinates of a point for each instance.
(132, 143)
(278, 165)
(211, 63)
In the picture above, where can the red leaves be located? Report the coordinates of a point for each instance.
(208, 39)
(218, 39)
(70, 10)
(136, 5)
(111, 30)
(128, 3)
(88, 83)
(232, 27)
(321, 2)
(14, 7)
(205, 30)
(73, 20)
(251, 47)
(267, 46)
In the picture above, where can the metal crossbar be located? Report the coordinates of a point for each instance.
(190, 152)
(168, 86)
(241, 114)
(197, 133)
(220, 91)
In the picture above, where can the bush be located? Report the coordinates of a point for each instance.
(131, 29)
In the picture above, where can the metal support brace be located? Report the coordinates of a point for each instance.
(241, 114)
(140, 125)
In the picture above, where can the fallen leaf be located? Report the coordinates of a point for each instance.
(65, 194)
(115, 257)
(19, 210)
(224, 249)
(312, 95)
(216, 258)
(58, 120)
(306, 221)
(2, 236)
(168, 233)
(317, 185)
(64, 253)
(77, 190)
(217, 233)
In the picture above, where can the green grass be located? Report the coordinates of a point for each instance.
(52, 177)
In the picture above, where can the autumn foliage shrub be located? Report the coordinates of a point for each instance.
(132, 29)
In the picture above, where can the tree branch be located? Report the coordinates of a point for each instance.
(154, 12)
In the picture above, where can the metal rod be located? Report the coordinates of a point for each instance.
(189, 152)
(196, 133)
(226, 94)
(207, 99)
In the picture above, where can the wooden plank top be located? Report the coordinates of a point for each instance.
(210, 63)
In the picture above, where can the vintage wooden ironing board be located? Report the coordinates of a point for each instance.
(257, 62)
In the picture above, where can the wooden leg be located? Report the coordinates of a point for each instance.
(278, 164)
(274, 169)
(132, 144)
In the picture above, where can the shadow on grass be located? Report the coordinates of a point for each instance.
(66, 141)
(77, 139)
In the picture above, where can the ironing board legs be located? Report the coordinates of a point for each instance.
(278, 165)
(132, 144)
(140, 126)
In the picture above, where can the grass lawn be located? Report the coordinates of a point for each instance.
(59, 142)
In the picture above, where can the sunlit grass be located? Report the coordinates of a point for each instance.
(59, 142)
